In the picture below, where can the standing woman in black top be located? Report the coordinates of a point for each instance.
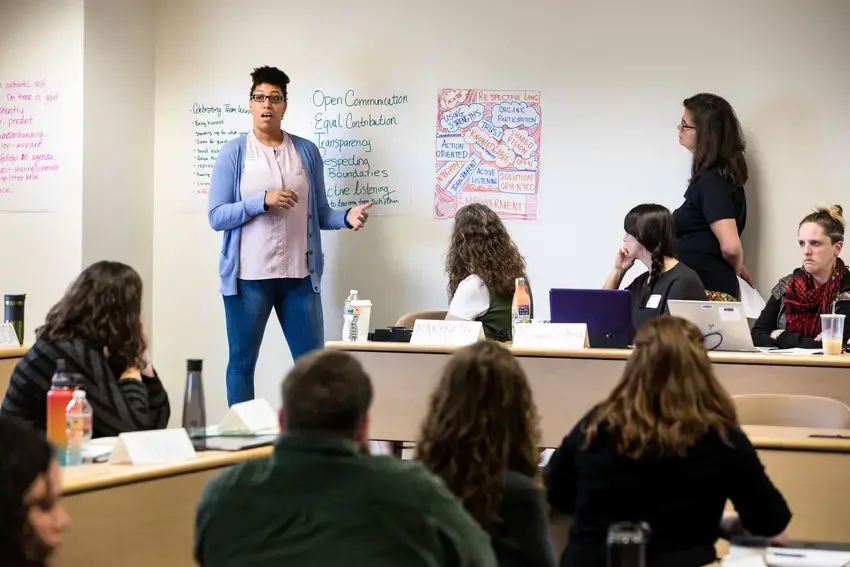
(481, 436)
(664, 448)
(710, 222)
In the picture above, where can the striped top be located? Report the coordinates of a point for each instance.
(119, 405)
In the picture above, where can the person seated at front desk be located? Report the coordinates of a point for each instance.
(483, 264)
(32, 518)
(481, 436)
(664, 448)
(649, 239)
(96, 328)
(791, 317)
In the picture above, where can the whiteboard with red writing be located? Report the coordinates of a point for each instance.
(488, 151)
(31, 148)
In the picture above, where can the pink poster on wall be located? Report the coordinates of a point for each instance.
(488, 151)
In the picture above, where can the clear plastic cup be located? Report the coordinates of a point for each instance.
(832, 332)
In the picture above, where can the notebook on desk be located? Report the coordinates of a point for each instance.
(234, 442)
(607, 313)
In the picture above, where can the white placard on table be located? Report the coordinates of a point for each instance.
(551, 335)
(153, 447)
(249, 418)
(8, 336)
(451, 333)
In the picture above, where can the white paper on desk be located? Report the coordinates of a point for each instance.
(98, 448)
(551, 335)
(8, 336)
(794, 351)
(153, 447)
(754, 560)
(249, 418)
(791, 557)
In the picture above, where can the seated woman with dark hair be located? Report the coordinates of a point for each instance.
(96, 328)
(483, 264)
(481, 436)
(791, 317)
(664, 448)
(649, 239)
(32, 519)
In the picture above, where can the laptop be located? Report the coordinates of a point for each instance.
(723, 324)
(607, 313)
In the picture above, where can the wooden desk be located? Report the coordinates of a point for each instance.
(138, 516)
(9, 358)
(566, 384)
(812, 473)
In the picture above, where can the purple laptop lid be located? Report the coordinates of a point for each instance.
(607, 312)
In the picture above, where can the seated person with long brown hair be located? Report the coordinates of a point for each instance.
(791, 317)
(649, 239)
(664, 448)
(483, 264)
(96, 328)
(481, 436)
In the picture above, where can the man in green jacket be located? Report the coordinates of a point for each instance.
(321, 500)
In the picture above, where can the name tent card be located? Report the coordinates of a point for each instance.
(567, 336)
(446, 333)
(153, 447)
(8, 336)
(249, 418)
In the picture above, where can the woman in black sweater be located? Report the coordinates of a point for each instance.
(481, 437)
(664, 448)
(791, 317)
(96, 329)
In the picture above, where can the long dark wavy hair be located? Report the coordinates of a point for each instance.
(652, 226)
(481, 423)
(103, 309)
(720, 141)
(668, 397)
(480, 245)
(25, 455)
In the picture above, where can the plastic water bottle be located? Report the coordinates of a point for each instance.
(348, 316)
(61, 394)
(520, 306)
(353, 325)
(78, 417)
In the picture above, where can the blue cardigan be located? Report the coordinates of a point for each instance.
(228, 211)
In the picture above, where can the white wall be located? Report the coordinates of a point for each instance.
(118, 137)
(41, 251)
(613, 76)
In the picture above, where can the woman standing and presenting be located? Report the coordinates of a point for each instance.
(710, 222)
(268, 197)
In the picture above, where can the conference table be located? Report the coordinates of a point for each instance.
(9, 357)
(142, 516)
(138, 516)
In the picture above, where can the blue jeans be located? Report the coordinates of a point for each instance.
(299, 311)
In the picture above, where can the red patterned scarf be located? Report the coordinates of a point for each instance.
(804, 302)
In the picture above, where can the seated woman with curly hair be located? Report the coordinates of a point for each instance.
(481, 437)
(96, 328)
(483, 264)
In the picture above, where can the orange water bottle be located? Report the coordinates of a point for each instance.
(58, 397)
(521, 306)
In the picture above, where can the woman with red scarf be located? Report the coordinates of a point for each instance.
(791, 317)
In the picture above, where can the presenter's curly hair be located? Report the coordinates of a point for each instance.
(480, 245)
(481, 423)
(103, 309)
(270, 76)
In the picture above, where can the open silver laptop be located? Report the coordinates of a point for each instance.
(723, 324)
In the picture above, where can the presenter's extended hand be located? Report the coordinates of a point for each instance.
(358, 215)
(281, 199)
